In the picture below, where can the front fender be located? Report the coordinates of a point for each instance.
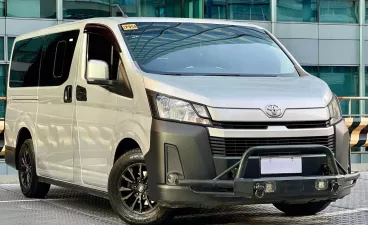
(139, 131)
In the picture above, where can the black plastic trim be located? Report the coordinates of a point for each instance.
(193, 150)
(74, 187)
(10, 156)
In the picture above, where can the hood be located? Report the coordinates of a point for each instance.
(244, 92)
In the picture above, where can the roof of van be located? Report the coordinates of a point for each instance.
(119, 20)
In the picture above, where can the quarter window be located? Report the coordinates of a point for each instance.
(25, 65)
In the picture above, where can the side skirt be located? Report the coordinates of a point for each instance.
(79, 188)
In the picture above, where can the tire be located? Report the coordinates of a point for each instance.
(306, 209)
(28, 179)
(125, 181)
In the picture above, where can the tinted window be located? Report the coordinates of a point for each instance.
(100, 48)
(249, 9)
(59, 59)
(26, 63)
(206, 49)
(296, 10)
(1, 48)
(58, 55)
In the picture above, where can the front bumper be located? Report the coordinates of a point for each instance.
(284, 188)
(203, 178)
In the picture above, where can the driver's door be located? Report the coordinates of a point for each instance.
(95, 110)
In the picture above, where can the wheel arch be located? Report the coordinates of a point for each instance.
(124, 146)
(24, 128)
(23, 135)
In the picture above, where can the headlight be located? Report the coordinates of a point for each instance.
(335, 110)
(179, 110)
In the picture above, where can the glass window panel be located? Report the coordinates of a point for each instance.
(129, 7)
(297, 10)
(2, 8)
(170, 8)
(343, 81)
(339, 11)
(249, 10)
(148, 8)
(3, 70)
(193, 8)
(1, 48)
(57, 57)
(311, 69)
(10, 46)
(366, 12)
(32, 8)
(25, 65)
(83, 9)
(215, 9)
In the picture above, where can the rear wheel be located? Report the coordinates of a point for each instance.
(302, 209)
(28, 178)
(129, 194)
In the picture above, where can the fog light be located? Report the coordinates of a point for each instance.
(270, 187)
(172, 178)
(321, 185)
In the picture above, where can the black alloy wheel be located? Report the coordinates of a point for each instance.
(129, 194)
(134, 189)
(25, 169)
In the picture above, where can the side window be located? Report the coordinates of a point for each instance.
(100, 48)
(25, 65)
(57, 57)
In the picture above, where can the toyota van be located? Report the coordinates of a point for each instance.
(158, 114)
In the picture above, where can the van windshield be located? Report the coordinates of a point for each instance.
(205, 49)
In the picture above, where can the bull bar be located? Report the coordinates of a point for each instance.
(302, 187)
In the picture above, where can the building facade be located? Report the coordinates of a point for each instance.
(329, 38)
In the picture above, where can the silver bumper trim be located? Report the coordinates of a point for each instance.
(271, 132)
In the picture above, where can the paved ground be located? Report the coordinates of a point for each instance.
(66, 207)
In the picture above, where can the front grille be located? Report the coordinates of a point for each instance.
(264, 125)
(237, 146)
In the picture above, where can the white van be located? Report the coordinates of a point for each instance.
(162, 113)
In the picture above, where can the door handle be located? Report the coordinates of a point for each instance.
(68, 91)
(81, 93)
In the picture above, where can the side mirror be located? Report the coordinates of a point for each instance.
(98, 72)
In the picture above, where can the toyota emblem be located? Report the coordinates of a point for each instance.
(273, 111)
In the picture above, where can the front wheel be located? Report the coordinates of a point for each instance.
(306, 209)
(128, 192)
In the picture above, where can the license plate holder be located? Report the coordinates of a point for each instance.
(281, 165)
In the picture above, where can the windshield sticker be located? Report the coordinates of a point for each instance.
(129, 27)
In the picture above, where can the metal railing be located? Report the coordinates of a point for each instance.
(350, 99)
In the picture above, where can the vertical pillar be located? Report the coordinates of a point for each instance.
(59, 11)
(273, 15)
(361, 63)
